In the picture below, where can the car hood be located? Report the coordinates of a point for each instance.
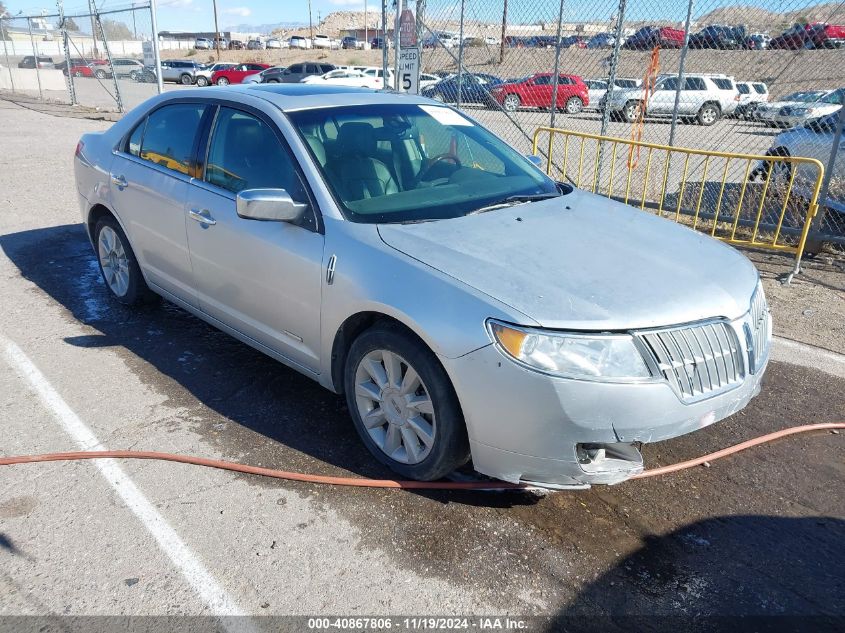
(585, 262)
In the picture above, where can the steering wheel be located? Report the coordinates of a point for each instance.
(437, 160)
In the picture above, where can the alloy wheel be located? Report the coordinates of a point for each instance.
(511, 103)
(113, 260)
(395, 406)
(222, 81)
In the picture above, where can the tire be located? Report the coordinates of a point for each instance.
(511, 103)
(100, 74)
(77, 73)
(134, 75)
(708, 114)
(441, 420)
(630, 112)
(574, 105)
(222, 81)
(186, 80)
(438, 96)
(202, 81)
(273, 81)
(114, 253)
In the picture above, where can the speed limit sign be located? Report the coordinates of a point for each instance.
(409, 70)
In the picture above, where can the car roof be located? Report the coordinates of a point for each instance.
(292, 97)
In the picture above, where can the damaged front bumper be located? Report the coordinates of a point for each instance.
(561, 433)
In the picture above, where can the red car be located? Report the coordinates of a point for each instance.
(236, 74)
(98, 68)
(650, 36)
(536, 92)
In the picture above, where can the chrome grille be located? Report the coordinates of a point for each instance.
(698, 360)
(760, 329)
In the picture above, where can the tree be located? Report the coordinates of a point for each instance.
(115, 30)
(70, 25)
(3, 35)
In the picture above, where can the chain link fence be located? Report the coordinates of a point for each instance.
(90, 58)
(716, 75)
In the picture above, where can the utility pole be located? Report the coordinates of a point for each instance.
(384, 43)
(93, 28)
(504, 30)
(397, 11)
(366, 27)
(310, 25)
(216, 30)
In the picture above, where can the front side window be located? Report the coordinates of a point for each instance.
(724, 84)
(542, 80)
(694, 83)
(245, 153)
(760, 88)
(169, 136)
(743, 89)
(412, 163)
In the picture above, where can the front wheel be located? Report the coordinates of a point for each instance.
(202, 81)
(77, 73)
(574, 105)
(118, 264)
(403, 404)
(631, 111)
(222, 81)
(100, 74)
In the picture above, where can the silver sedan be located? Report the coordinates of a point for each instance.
(397, 252)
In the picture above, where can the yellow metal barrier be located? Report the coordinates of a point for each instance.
(744, 205)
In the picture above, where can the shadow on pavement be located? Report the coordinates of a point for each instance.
(733, 573)
(236, 382)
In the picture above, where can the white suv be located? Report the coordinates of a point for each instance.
(705, 98)
(751, 93)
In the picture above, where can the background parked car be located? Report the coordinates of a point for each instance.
(349, 42)
(343, 77)
(257, 78)
(181, 71)
(324, 41)
(203, 75)
(98, 68)
(297, 72)
(297, 41)
(74, 61)
(237, 45)
(236, 74)
(799, 107)
(794, 38)
(475, 88)
(758, 41)
(126, 67)
(650, 36)
(274, 43)
(573, 41)
(43, 62)
(597, 90)
(751, 94)
(254, 45)
(379, 43)
(823, 35)
(427, 79)
(719, 37)
(602, 40)
(203, 44)
(536, 91)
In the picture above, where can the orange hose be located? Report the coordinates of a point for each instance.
(385, 483)
(638, 125)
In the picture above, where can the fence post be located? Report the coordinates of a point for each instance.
(504, 33)
(71, 89)
(614, 63)
(556, 76)
(107, 50)
(397, 11)
(384, 44)
(156, 53)
(35, 54)
(681, 75)
(6, 50)
(814, 241)
(460, 58)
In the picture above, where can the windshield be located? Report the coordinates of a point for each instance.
(804, 97)
(412, 163)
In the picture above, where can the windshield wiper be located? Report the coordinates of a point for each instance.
(514, 200)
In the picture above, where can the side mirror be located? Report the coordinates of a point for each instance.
(535, 160)
(270, 205)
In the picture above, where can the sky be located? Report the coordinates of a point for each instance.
(196, 15)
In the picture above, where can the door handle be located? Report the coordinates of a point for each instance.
(202, 216)
(119, 181)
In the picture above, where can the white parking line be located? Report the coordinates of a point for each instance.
(197, 576)
(788, 351)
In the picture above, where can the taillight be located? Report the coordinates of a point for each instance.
(79, 147)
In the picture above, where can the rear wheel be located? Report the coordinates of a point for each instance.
(134, 75)
(272, 81)
(186, 79)
(100, 74)
(438, 96)
(403, 404)
(202, 81)
(574, 105)
(511, 103)
(77, 73)
(709, 114)
(118, 264)
(222, 81)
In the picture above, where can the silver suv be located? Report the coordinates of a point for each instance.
(182, 72)
(705, 98)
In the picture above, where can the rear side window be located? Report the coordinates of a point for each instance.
(760, 88)
(694, 83)
(312, 68)
(743, 89)
(542, 80)
(169, 136)
(723, 84)
(326, 68)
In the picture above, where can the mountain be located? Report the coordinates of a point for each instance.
(833, 12)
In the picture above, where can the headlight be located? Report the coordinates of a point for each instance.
(570, 355)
